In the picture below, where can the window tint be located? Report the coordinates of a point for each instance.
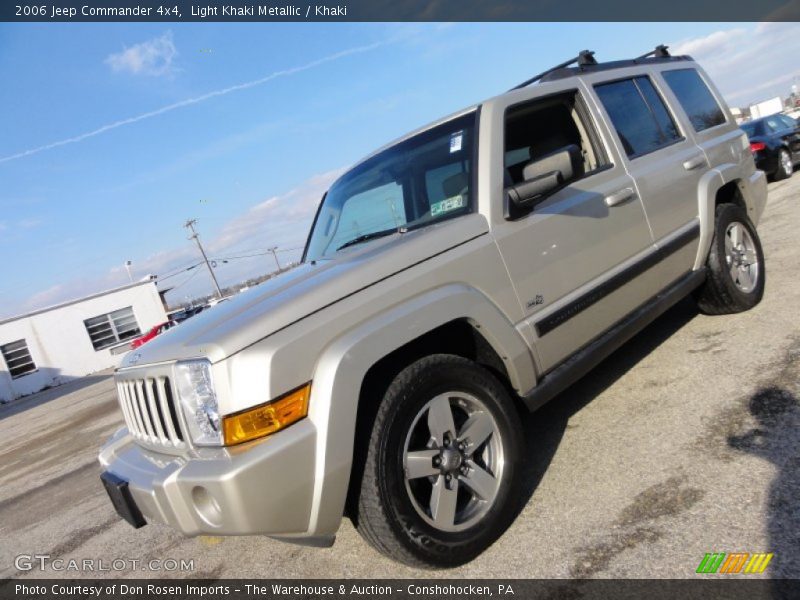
(788, 122)
(773, 124)
(412, 184)
(638, 114)
(695, 98)
(18, 358)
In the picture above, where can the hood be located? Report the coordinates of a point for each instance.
(250, 316)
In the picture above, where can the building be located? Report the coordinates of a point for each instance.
(53, 345)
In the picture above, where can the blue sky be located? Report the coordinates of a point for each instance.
(112, 135)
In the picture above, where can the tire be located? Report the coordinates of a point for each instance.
(785, 167)
(736, 269)
(399, 486)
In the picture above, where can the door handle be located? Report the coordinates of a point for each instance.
(620, 197)
(695, 162)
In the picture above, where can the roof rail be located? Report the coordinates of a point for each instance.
(584, 58)
(660, 51)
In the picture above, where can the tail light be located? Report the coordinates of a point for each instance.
(757, 146)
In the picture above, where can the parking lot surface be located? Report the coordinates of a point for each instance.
(685, 441)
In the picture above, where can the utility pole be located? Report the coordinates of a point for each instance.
(190, 223)
(275, 256)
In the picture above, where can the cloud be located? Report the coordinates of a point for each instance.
(747, 65)
(286, 216)
(153, 57)
(281, 220)
(196, 100)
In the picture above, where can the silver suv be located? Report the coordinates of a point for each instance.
(470, 271)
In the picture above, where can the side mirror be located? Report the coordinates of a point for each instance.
(545, 176)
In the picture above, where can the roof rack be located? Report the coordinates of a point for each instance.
(660, 51)
(586, 60)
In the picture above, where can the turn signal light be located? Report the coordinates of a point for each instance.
(757, 146)
(268, 418)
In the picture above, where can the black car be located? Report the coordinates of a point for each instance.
(775, 144)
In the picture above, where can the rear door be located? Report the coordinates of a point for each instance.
(663, 160)
(703, 116)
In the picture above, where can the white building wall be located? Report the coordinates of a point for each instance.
(60, 345)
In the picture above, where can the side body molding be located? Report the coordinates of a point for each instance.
(342, 366)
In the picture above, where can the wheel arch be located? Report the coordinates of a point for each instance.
(718, 186)
(456, 319)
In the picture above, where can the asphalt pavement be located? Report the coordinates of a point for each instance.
(685, 441)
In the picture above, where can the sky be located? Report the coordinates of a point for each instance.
(113, 135)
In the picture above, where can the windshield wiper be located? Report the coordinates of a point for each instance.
(367, 237)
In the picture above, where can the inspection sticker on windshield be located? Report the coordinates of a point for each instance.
(446, 205)
(455, 141)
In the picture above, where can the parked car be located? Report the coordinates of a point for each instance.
(450, 282)
(775, 144)
(186, 313)
(152, 332)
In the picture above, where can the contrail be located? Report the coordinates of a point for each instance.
(196, 100)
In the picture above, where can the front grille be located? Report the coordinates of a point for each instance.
(150, 411)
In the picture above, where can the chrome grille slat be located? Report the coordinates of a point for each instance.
(165, 410)
(138, 388)
(159, 430)
(146, 402)
(123, 403)
(137, 415)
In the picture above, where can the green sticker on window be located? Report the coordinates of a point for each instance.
(446, 205)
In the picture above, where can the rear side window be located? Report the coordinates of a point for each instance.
(639, 115)
(695, 98)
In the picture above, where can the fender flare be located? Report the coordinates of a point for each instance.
(342, 366)
(709, 185)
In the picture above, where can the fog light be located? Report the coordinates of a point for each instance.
(207, 506)
(267, 418)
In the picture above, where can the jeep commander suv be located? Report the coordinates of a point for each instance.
(472, 269)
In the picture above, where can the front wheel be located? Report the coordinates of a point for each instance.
(736, 269)
(442, 468)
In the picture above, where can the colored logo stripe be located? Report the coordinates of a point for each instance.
(721, 562)
(758, 563)
(711, 563)
(734, 562)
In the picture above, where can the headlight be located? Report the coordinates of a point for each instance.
(198, 401)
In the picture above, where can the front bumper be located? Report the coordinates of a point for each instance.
(264, 487)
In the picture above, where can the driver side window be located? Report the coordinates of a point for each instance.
(538, 132)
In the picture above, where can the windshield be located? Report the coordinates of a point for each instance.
(419, 181)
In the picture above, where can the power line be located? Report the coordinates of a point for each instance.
(196, 237)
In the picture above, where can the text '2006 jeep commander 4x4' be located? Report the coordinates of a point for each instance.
(470, 270)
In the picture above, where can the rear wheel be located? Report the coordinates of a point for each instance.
(785, 166)
(441, 474)
(736, 270)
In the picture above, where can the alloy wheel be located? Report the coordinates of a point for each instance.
(453, 461)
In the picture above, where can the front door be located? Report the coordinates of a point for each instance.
(563, 254)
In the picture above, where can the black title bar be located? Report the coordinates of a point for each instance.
(398, 10)
(701, 586)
